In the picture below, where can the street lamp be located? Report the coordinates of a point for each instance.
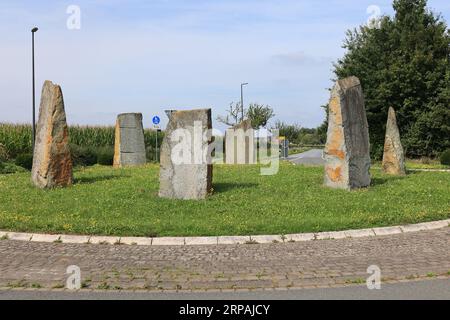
(242, 98)
(33, 138)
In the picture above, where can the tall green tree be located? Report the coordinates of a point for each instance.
(259, 115)
(404, 63)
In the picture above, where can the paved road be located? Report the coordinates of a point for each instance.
(312, 157)
(414, 290)
(228, 267)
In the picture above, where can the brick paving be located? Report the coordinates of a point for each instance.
(227, 267)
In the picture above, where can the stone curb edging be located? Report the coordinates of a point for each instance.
(210, 290)
(222, 240)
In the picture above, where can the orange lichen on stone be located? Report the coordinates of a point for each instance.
(117, 145)
(129, 145)
(335, 175)
(335, 109)
(52, 161)
(390, 162)
(393, 156)
(346, 154)
(334, 146)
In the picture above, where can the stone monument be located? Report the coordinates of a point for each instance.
(347, 151)
(52, 162)
(240, 144)
(393, 157)
(186, 169)
(129, 146)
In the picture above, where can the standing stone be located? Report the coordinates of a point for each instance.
(186, 168)
(393, 157)
(129, 147)
(240, 144)
(52, 163)
(347, 154)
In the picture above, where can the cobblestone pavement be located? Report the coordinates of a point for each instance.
(318, 263)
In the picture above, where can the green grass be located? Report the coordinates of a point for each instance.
(124, 202)
(417, 164)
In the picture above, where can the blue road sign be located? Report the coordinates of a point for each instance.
(156, 120)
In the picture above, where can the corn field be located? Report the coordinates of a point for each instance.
(16, 138)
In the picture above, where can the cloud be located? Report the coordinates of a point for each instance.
(299, 58)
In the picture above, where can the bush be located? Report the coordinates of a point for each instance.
(5, 168)
(25, 160)
(83, 156)
(105, 156)
(445, 157)
(4, 156)
(8, 167)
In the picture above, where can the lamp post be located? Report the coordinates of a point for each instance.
(242, 99)
(33, 138)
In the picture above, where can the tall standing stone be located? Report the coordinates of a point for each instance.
(347, 151)
(52, 163)
(129, 147)
(240, 144)
(393, 157)
(186, 168)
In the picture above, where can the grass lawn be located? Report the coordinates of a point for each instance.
(123, 202)
(417, 164)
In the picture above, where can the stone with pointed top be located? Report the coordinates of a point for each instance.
(393, 156)
(52, 162)
(347, 156)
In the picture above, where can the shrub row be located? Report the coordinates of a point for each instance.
(445, 157)
(89, 145)
(89, 156)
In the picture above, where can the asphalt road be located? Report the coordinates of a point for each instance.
(438, 289)
(312, 157)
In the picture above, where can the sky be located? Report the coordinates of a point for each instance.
(151, 55)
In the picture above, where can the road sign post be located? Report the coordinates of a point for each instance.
(156, 120)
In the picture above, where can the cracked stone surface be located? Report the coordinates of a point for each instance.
(185, 168)
(52, 162)
(393, 156)
(347, 151)
(402, 256)
(129, 146)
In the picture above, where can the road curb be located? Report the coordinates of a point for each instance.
(222, 240)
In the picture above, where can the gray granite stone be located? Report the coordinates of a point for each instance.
(186, 169)
(393, 156)
(129, 149)
(52, 162)
(347, 152)
(240, 146)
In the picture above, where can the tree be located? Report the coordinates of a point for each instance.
(404, 63)
(234, 115)
(298, 135)
(290, 131)
(259, 115)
